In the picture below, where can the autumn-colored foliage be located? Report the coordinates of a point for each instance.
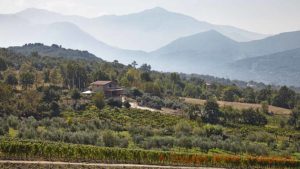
(71, 152)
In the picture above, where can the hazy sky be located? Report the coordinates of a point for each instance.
(264, 16)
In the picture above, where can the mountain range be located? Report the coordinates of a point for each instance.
(213, 53)
(16, 31)
(167, 40)
(151, 28)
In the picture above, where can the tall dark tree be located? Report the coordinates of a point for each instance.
(75, 95)
(193, 112)
(145, 68)
(27, 79)
(211, 112)
(252, 117)
(46, 76)
(145, 76)
(134, 64)
(3, 64)
(231, 93)
(74, 75)
(294, 119)
(285, 98)
(5, 92)
(264, 95)
(50, 95)
(100, 75)
(55, 109)
(11, 80)
(249, 95)
(175, 77)
(98, 100)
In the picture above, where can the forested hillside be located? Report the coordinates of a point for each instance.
(282, 65)
(52, 51)
(41, 101)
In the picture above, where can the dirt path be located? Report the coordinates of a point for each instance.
(163, 110)
(136, 106)
(100, 164)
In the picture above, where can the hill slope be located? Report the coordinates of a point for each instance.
(197, 53)
(272, 44)
(278, 68)
(210, 52)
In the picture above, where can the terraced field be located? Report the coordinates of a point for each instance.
(240, 106)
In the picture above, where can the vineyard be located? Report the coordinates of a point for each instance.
(30, 150)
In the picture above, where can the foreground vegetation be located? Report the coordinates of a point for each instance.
(68, 152)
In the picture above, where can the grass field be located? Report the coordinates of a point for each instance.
(240, 106)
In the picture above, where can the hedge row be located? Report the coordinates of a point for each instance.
(28, 150)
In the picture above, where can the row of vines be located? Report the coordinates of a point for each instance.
(30, 150)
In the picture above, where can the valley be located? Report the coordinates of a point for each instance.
(149, 84)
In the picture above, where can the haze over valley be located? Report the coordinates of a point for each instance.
(167, 40)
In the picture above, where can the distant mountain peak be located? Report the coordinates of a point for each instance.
(208, 35)
(36, 11)
(212, 32)
(157, 9)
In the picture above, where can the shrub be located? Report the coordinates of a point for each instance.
(211, 112)
(158, 142)
(256, 149)
(13, 121)
(109, 139)
(211, 130)
(98, 100)
(185, 142)
(150, 101)
(183, 128)
(55, 109)
(114, 102)
(252, 117)
(126, 104)
(134, 92)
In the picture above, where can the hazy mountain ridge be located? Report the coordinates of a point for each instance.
(198, 53)
(208, 52)
(212, 53)
(63, 33)
(279, 68)
(273, 44)
(152, 28)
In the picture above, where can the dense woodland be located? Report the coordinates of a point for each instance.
(41, 100)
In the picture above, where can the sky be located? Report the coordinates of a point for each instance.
(262, 16)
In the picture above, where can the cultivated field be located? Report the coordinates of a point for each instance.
(7, 164)
(82, 156)
(240, 106)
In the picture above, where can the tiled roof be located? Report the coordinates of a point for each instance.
(101, 82)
